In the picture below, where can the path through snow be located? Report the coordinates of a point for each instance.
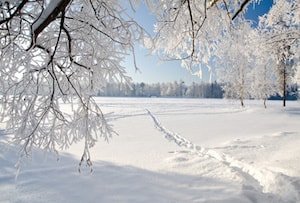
(274, 183)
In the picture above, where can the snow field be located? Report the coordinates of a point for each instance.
(180, 150)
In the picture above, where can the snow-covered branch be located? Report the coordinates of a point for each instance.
(58, 52)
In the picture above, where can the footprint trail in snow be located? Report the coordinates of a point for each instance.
(277, 186)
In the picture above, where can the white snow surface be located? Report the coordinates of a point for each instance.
(169, 150)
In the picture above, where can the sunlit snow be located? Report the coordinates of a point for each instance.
(170, 150)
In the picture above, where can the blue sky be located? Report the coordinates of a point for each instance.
(153, 70)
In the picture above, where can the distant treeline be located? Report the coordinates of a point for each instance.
(292, 93)
(170, 89)
(177, 89)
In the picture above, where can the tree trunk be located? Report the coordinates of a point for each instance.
(242, 102)
(265, 105)
(284, 87)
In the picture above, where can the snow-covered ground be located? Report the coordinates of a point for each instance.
(170, 150)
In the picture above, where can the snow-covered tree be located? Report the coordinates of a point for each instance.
(60, 51)
(282, 28)
(235, 62)
(63, 51)
(189, 30)
(263, 81)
